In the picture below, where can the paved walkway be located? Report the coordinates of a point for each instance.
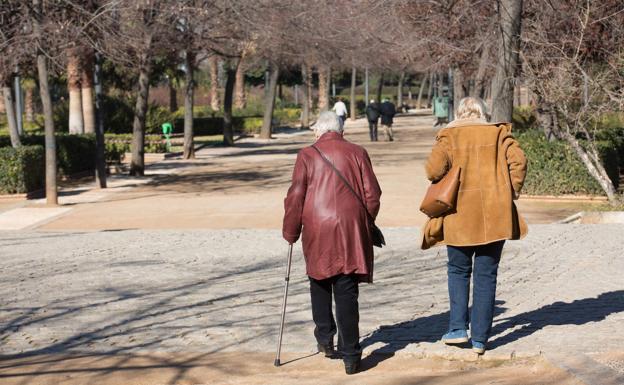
(215, 291)
(244, 187)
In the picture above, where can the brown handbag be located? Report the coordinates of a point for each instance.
(441, 195)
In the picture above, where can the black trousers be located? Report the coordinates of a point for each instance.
(345, 292)
(372, 130)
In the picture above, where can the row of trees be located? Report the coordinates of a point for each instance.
(567, 51)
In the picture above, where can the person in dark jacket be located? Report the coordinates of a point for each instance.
(372, 115)
(335, 230)
(388, 111)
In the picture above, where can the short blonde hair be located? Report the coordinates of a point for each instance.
(471, 108)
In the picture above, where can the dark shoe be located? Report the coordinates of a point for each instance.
(352, 367)
(327, 350)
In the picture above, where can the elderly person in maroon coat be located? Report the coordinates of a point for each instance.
(335, 231)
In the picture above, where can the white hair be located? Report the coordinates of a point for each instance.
(326, 122)
(471, 108)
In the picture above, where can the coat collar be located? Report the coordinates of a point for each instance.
(332, 135)
(473, 122)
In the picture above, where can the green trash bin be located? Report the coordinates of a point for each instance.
(167, 129)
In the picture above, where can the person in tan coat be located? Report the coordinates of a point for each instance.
(492, 171)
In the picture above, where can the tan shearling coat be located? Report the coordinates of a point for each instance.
(493, 168)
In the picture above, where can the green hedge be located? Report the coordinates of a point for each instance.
(555, 169)
(118, 144)
(214, 126)
(22, 170)
(75, 153)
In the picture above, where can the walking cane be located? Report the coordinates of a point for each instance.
(281, 331)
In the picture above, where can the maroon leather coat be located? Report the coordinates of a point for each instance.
(336, 236)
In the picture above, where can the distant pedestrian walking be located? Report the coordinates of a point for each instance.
(484, 215)
(335, 230)
(372, 115)
(388, 111)
(340, 109)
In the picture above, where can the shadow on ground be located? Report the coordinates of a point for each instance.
(430, 328)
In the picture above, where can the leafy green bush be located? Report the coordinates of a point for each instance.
(75, 153)
(214, 126)
(523, 118)
(610, 160)
(119, 144)
(554, 168)
(614, 136)
(251, 125)
(21, 170)
(287, 115)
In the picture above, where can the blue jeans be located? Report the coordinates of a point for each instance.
(460, 269)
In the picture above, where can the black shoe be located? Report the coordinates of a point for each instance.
(327, 350)
(352, 367)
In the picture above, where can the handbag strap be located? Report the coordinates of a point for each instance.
(344, 180)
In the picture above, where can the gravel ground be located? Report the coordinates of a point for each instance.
(220, 291)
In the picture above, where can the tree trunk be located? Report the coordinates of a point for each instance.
(231, 71)
(595, 168)
(189, 146)
(88, 110)
(305, 110)
(310, 86)
(76, 125)
(269, 103)
(173, 96)
(509, 15)
(215, 104)
(100, 157)
(29, 103)
(421, 89)
(380, 87)
(19, 105)
(137, 164)
(459, 91)
(50, 139)
(241, 99)
(353, 107)
(400, 90)
(10, 113)
(323, 103)
(46, 101)
(479, 86)
(430, 89)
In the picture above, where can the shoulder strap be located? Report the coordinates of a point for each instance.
(344, 180)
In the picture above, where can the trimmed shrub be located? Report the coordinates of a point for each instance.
(610, 160)
(614, 136)
(119, 144)
(554, 168)
(251, 125)
(287, 115)
(523, 118)
(75, 153)
(22, 169)
(214, 126)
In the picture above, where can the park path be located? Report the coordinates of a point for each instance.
(219, 291)
(244, 187)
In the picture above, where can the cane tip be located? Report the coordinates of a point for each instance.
(276, 362)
